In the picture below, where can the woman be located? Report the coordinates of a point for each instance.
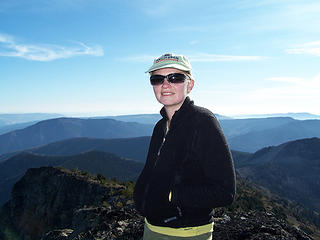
(189, 168)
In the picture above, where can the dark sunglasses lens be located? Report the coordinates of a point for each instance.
(172, 78)
(177, 78)
(156, 79)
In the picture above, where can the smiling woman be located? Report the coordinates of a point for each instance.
(171, 94)
(189, 168)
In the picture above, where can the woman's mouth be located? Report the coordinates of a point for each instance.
(167, 93)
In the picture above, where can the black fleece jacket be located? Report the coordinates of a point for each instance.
(193, 162)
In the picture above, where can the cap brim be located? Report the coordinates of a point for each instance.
(173, 65)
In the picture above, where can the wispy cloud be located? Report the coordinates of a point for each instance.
(9, 47)
(42, 5)
(206, 57)
(138, 58)
(199, 57)
(300, 95)
(297, 88)
(311, 48)
(190, 28)
(286, 79)
(291, 94)
(193, 42)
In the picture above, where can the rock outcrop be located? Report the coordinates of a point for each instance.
(255, 225)
(56, 204)
(48, 198)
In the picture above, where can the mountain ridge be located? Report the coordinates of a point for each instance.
(134, 148)
(247, 135)
(291, 170)
(275, 134)
(295, 115)
(53, 154)
(52, 130)
(93, 161)
(14, 118)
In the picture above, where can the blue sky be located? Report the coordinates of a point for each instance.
(89, 57)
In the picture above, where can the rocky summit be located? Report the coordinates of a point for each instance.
(57, 204)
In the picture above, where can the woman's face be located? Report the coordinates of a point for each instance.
(172, 95)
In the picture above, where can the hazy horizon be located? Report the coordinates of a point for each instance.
(149, 113)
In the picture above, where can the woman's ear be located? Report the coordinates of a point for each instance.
(190, 85)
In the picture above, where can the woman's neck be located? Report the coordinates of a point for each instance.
(170, 110)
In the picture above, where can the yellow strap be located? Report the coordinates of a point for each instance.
(181, 232)
(167, 127)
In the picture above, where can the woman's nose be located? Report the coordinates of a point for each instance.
(165, 83)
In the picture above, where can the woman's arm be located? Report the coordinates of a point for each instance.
(218, 181)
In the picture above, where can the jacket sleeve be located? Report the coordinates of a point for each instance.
(217, 185)
(138, 194)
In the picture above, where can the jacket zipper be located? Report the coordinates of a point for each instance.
(159, 151)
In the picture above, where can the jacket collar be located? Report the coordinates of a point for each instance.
(180, 114)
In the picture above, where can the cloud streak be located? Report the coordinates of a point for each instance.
(44, 52)
(294, 80)
(205, 57)
(42, 5)
(199, 57)
(296, 87)
(311, 48)
(139, 58)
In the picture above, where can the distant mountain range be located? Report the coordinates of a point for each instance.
(81, 153)
(298, 116)
(247, 135)
(139, 118)
(291, 170)
(7, 119)
(52, 130)
(131, 148)
(238, 127)
(17, 121)
(12, 119)
(12, 127)
(147, 118)
(250, 135)
(280, 153)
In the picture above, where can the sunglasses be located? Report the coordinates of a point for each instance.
(172, 78)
